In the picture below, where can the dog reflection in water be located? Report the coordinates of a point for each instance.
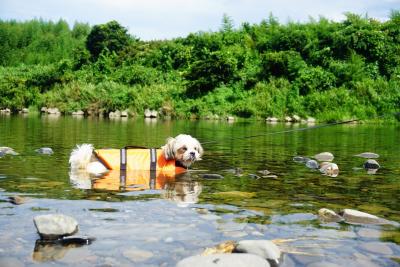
(180, 188)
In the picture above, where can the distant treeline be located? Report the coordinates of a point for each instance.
(323, 69)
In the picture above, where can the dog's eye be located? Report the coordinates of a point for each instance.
(196, 148)
(184, 148)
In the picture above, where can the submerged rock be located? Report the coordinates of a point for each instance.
(236, 171)
(324, 156)
(371, 164)
(224, 260)
(54, 226)
(266, 249)
(312, 164)
(254, 176)
(368, 155)
(329, 169)
(17, 200)
(300, 159)
(211, 176)
(264, 172)
(225, 247)
(327, 215)
(45, 150)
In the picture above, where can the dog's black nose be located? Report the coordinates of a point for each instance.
(192, 155)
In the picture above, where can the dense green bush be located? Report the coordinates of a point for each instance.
(324, 69)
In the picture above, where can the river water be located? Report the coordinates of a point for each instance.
(135, 225)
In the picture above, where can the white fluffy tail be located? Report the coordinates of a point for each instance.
(80, 156)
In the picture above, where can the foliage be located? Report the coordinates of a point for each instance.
(324, 69)
(111, 37)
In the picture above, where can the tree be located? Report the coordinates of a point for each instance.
(110, 36)
(205, 75)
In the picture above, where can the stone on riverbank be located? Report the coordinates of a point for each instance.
(150, 113)
(78, 113)
(224, 260)
(264, 248)
(54, 226)
(327, 215)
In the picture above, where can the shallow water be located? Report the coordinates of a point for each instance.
(134, 225)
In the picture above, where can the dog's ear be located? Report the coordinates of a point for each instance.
(168, 149)
(200, 149)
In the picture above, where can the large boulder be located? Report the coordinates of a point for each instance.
(54, 226)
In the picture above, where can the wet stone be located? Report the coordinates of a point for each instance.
(45, 150)
(7, 151)
(254, 176)
(324, 156)
(224, 260)
(368, 155)
(17, 200)
(266, 249)
(53, 226)
(358, 217)
(264, 172)
(371, 164)
(211, 176)
(327, 215)
(312, 164)
(300, 159)
(329, 169)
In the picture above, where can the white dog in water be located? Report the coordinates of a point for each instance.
(183, 149)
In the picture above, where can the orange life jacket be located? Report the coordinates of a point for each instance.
(132, 181)
(135, 169)
(137, 160)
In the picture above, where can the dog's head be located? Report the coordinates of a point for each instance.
(184, 149)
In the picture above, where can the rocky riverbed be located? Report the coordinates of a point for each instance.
(159, 233)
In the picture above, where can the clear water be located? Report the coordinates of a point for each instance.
(159, 227)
